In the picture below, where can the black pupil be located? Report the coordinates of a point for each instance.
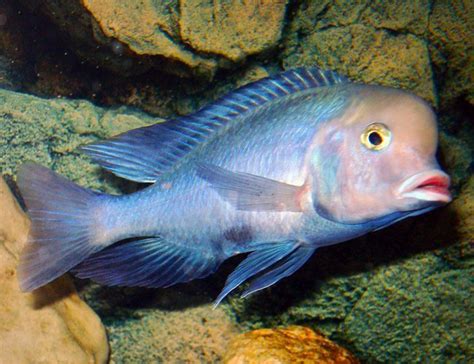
(375, 138)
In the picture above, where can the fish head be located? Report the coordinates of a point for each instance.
(377, 159)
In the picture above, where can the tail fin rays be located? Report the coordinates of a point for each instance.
(62, 229)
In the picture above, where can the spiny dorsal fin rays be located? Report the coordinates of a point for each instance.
(143, 154)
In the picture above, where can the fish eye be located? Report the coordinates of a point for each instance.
(376, 136)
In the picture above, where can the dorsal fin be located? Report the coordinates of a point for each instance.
(143, 154)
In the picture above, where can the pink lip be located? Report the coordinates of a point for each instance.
(428, 186)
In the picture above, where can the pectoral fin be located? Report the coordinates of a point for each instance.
(249, 192)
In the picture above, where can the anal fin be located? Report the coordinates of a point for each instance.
(148, 262)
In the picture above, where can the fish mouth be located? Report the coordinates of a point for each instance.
(427, 186)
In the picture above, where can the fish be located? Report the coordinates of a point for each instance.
(272, 171)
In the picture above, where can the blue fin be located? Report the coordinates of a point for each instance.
(256, 262)
(62, 225)
(285, 268)
(148, 262)
(144, 154)
(249, 192)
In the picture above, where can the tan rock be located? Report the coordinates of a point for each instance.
(376, 57)
(294, 344)
(232, 29)
(145, 29)
(50, 325)
(202, 35)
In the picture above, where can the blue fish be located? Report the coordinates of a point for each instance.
(275, 169)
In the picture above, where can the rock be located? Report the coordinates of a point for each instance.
(294, 344)
(407, 45)
(49, 131)
(457, 154)
(233, 30)
(450, 35)
(461, 256)
(188, 37)
(50, 325)
(385, 41)
(172, 325)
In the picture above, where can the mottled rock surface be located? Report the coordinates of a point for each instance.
(450, 37)
(173, 325)
(186, 37)
(294, 344)
(49, 131)
(380, 43)
(50, 325)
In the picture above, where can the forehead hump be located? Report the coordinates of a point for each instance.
(406, 115)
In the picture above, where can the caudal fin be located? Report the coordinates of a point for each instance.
(62, 225)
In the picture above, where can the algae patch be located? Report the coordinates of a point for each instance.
(50, 131)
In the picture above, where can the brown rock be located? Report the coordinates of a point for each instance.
(294, 344)
(231, 29)
(183, 37)
(375, 44)
(450, 35)
(147, 30)
(50, 325)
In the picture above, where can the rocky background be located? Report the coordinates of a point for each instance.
(72, 72)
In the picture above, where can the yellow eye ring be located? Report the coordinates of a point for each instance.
(376, 137)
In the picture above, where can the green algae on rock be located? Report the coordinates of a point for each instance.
(161, 326)
(49, 131)
(415, 311)
(377, 56)
(452, 43)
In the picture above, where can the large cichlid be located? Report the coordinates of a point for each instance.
(275, 169)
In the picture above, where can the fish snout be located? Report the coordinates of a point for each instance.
(432, 185)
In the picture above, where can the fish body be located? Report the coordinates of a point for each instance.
(190, 211)
(276, 169)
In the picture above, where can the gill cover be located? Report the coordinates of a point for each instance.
(360, 159)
